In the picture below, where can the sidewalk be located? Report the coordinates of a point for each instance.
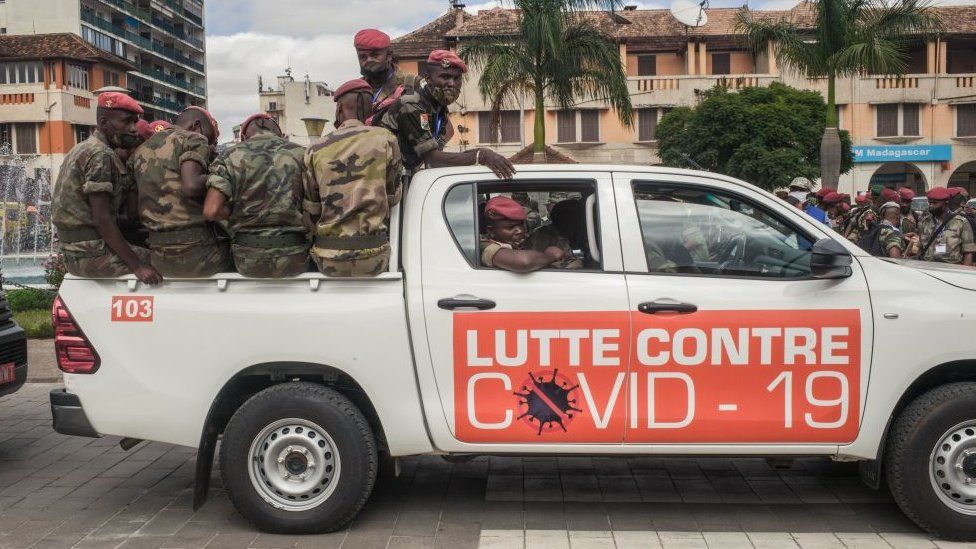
(41, 365)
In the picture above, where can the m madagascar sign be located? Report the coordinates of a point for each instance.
(612, 377)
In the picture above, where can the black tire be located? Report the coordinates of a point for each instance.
(913, 439)
(339, 420)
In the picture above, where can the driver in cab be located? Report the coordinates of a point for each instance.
(504, 234)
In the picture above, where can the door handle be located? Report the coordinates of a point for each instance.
(451, 303)
(654, 307)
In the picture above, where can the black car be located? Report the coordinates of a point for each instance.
(13, 350)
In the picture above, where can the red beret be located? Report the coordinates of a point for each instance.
(890, 195)
(832, 197)
(357, 85)
(446, 59)
(939, 193)
(503, 207)
(371, 39)
(213, 121)
(143, 129)
(824, 191)
(953, 191)
(252, 118)
(118, 101)
(906, 194)
(159, 125)
(861, 198)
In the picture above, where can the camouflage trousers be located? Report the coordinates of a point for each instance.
(197, 260)
(270, 262)
(368, 266)
(105, 265)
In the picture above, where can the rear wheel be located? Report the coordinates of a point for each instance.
(931, 461)
(298, 458)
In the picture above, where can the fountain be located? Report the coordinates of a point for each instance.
(25, 218)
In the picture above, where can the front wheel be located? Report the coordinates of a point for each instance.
(931, 461)
(298, 458)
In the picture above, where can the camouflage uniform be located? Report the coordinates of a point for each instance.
(955, 239)
(396, 85)
(420, 125)
(262, 180)
(891, 237)
(860, 222)
(908, 224)
(181, 241)
(547, 236)
(352, 178)
(90, 167)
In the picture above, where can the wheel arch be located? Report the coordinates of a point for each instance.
(949, 372)
(258, 377)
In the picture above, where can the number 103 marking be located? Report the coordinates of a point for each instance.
(842, 402)
(132, 308)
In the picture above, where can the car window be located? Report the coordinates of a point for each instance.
(694, 230)
(555, 216)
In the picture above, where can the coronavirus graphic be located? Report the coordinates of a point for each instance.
(547, 405)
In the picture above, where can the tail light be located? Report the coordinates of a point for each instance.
(74, 352)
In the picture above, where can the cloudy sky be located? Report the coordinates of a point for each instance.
(247, 38)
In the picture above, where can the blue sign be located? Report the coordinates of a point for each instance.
(903, 153)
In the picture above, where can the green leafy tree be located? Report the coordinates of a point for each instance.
(763, 135)
(557, 55)
(849, 37)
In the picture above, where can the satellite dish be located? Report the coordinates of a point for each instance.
(689, 14)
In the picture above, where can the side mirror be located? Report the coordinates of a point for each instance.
(828, 260)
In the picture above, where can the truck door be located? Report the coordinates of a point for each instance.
(734, 341)
(537, 358)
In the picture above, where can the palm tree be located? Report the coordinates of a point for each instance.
(850, 37)
(557, 54)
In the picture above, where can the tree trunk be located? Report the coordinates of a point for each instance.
(830, 148)
(539, 145)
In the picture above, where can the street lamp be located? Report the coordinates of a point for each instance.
(314, 126)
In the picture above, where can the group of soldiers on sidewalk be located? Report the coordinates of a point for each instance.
(156, 200)
(883, 222)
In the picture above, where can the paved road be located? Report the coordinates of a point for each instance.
(58, 491)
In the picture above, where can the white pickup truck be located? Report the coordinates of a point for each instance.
(709, 319)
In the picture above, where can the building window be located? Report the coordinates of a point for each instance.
(566, 126)
(893, 116)
(82, 133)
(590, 125)
(646, 65)
(508, 129)
(21, 73)
(6, 139)
(111, 78)
(966, 120)
(26, 138)
(78, 76)
(272, 106)
(721, 63)
(647, 124)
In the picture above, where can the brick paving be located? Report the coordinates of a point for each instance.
(58, 492)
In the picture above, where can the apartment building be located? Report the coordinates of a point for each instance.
(300, 107)
(47, 104)
(163, 40)
(917, 129)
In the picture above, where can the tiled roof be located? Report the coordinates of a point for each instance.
(55, 46)
(640, 28)
(527, 156)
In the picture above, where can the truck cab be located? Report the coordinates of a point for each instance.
(707, 318)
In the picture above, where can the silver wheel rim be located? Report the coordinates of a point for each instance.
(293, 464)
(952, 468)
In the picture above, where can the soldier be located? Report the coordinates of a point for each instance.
(833, 203)
(256, 186)
(945, 236)
(378, 67)
(92, 185)
(420, 120)
(171, 174)
(505, 233)
(891, 241)
(352, 179)
(909, 221)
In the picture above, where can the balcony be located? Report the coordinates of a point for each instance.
(150, 18)
(161, 76)
(681, 90)
(169, 53)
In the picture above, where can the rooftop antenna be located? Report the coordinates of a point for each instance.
(690, 14)
(457, 4)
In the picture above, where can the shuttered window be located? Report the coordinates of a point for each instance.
(646, 65)
(647, 124)
(966, 120)
(484, 128)
(909, 115)
(509, 128)
(721, 63)
(566, 126)
(590, 125)
(887, 120)
(26, 135)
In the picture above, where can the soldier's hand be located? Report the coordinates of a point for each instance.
(497, 163)
(554, 253)
(148, 275)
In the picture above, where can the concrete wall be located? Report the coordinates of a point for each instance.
(40, 16)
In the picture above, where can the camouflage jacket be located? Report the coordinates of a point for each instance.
(156, 168)
(420, 124)
(387, 94)
(890, 237)
(262, 180)
(908, 224)
(859, 223)
(352, 178)
(547, 236)
(90, 167)
(952, 242)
